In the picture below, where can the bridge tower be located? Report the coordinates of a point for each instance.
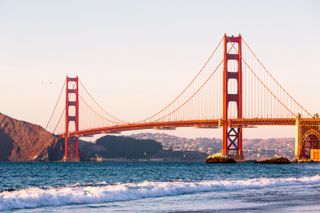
(71, 144)
(307, 140)
(232, 69)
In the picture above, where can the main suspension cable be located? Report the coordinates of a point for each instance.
(56, 105)
(275, 80)
(91, 97)
(192, 81)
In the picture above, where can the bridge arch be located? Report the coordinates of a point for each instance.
(310, 143)
(311, 132)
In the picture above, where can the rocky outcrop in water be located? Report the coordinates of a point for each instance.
(276, 160)
(219, 158)
(23, 141)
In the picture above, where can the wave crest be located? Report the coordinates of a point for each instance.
(77, 194)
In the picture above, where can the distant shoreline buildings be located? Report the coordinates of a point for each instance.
(253, 148)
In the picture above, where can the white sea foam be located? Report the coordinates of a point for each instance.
(37, 197)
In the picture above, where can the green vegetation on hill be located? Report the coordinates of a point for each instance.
(133, 149)
(120, 147)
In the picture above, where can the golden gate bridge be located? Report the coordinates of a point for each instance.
(233, 90)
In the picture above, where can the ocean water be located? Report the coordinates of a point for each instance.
(158, 187)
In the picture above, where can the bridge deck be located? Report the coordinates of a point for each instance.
(212, 123)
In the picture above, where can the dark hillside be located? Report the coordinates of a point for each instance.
(23, 141)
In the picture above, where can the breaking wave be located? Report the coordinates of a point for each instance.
(103, 192)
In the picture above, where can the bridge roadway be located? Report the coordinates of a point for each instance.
(210, 123)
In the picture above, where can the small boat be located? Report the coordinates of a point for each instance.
(97, 158)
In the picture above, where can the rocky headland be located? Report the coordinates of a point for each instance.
(23, 141)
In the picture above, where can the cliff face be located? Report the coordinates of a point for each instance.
(23, 141)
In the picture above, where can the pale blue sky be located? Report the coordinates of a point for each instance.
(135, 56)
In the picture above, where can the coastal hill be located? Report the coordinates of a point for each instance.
(119, 147)
(127, 148)
(23, 141)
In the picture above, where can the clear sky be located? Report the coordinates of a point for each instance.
(136, 56)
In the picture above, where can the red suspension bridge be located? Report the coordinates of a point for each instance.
(233, 90)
